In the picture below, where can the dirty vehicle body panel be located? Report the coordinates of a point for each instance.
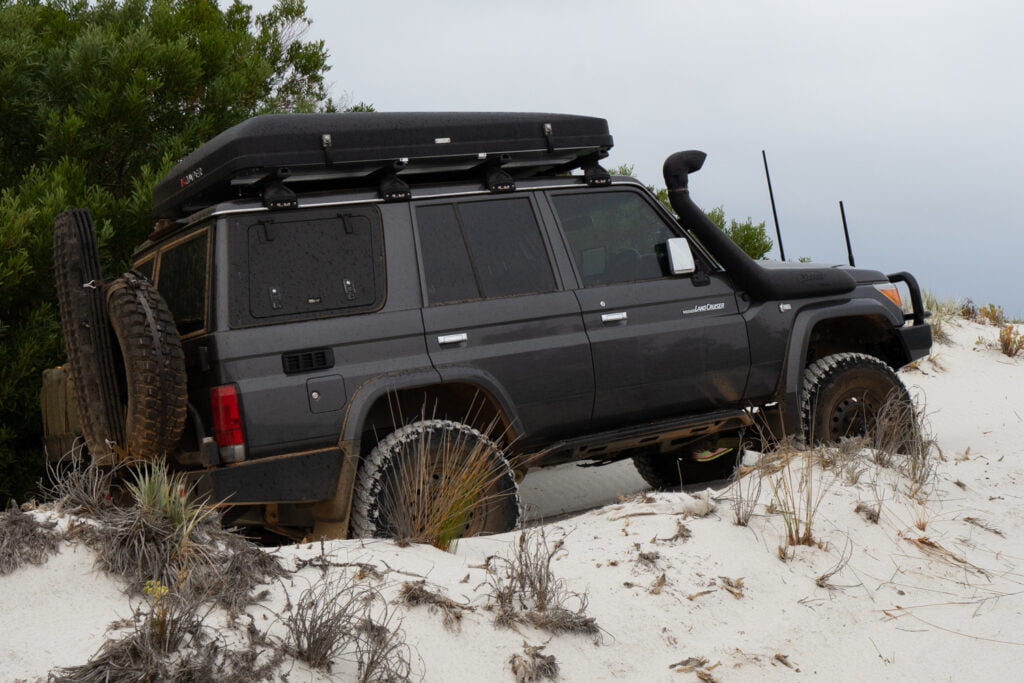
(540, 305)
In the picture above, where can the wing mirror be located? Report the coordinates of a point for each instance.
(680, 258)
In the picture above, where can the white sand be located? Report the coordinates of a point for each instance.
(945, 602)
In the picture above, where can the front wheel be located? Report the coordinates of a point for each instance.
(435, 481)
(843, 395)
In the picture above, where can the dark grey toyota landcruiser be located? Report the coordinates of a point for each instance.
(355, 293)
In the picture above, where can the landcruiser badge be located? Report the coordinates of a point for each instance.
(704, 308)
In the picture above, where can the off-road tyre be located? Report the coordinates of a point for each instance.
(87, 338)
(668, 471)
(374, 499)
(842, 394)
(153, 364)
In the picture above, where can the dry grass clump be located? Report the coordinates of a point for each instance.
(902, 440)
(1011, 342)
(81, 487)
(991, 314)
(24, 539)
(525, 590)
(416, 593)
(797, 493)
(169, 642)
(333, 621)
(532, 665)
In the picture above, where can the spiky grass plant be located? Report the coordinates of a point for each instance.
(451, 481)
(81, 487)
(524, 589)
(167, 535)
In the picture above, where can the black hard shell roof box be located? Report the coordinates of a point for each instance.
(322, 151)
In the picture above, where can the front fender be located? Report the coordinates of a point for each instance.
(799, 340)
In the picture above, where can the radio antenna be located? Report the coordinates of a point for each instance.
(775, 214)
(846, 231)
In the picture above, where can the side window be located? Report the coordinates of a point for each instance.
(146, 267)
(182, 279)
(479, 250)
(614, 236)
(298, 265)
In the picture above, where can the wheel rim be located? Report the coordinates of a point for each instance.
(852, 414)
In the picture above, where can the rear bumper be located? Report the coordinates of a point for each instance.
(294, 478)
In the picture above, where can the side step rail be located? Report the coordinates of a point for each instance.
(604, 445)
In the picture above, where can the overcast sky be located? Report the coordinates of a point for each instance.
(909, 111)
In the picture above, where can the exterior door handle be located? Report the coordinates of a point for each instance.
(614, 317)
(446, 339)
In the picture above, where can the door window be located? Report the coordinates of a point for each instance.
(482, 250)
(614, 236)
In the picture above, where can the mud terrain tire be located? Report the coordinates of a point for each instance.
(387, 503)
(842, 394)
(87, 337)
(154, 367)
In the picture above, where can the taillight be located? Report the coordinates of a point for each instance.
(227, 422)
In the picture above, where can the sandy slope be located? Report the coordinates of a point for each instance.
(942, 603)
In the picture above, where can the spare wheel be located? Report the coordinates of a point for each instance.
(87, 337)
(153, 365)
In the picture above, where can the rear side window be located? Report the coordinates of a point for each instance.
(304, 265)
(181, 280)
(481, 250)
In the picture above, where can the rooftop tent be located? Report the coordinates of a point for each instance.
(308, 152)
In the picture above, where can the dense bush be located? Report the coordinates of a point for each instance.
(100, 98)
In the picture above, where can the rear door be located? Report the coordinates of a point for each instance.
(662, 345)
(497, 314)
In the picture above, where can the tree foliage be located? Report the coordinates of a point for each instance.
(99, 100)
(749, 236)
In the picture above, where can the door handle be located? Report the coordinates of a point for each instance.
(614, 317)
(445, 339)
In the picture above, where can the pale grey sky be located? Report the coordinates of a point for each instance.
(909, 111)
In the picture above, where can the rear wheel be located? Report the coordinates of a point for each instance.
(843, 394)
(434, 481)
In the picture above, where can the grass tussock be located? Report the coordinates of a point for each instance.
(943, 311)
(334, 620)
(525, 590)
(25, 540)
(448, 487)
(165, 535)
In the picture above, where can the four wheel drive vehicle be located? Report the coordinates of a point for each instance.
(357, 310)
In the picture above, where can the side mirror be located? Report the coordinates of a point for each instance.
(680, 258)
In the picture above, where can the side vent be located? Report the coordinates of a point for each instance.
(307, 361)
